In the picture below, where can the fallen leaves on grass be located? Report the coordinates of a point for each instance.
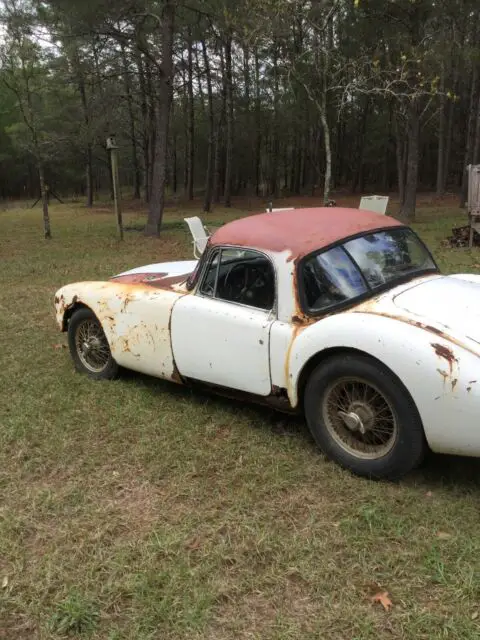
(193, 544)
(59, 346)
(443, 535)
(383, 598)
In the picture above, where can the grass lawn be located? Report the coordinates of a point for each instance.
(139, 510)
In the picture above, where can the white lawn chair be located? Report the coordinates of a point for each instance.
(377, 204)
(268, 210)
(199, 235)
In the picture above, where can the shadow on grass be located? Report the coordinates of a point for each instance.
(458, 473)
(448, 472)
(282, 424)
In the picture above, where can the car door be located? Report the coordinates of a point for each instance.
(220, 334)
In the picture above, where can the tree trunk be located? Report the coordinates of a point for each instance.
(249, 124)
(44, 193)
(207, 202)
(328, 157)
(201, 94)
(218, 134)
(386, 157)
(441, 137)
(131, 122)
(89, 176)
(218, 153)
(400, 165)
(152, 125)
(229, 97)
(358, 178)
(86, 118)
(476, 144)
(145, 123)
(413, 128)
(258, 125)
(450, 121)
(274, 191)
(469, 138)
(165, 72)
(174, 164)
(190, 120)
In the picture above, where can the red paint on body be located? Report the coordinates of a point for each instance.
(156, 280)
(300, 231)
(134, 278)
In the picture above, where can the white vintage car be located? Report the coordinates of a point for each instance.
(341, 314)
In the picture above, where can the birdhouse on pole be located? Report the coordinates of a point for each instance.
(111, 142)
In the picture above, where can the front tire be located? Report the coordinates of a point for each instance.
(89, 347)
(363, 418)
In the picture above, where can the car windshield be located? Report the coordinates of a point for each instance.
(363, 264)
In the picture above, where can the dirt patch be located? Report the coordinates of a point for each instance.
(460, 237)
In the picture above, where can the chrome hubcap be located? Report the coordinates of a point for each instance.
(359, 418)
(92, 346)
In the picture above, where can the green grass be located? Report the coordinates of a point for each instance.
(138, 510)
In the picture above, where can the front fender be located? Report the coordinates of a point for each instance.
(440, 374)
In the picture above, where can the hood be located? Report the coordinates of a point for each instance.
(450, 301)
(161, 274)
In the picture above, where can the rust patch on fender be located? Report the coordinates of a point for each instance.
(447, 354)
(296, 330)
(444, 352)
(420, 325)
(129, 297)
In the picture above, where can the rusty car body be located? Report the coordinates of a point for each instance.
(341, 314)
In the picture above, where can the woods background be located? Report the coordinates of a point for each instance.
(224, 98)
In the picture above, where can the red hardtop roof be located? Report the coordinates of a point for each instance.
(300, 230)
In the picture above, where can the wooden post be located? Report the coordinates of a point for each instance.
(473, 201)
(113, 148)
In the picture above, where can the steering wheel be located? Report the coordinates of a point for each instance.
(236, 288)
(207, 289)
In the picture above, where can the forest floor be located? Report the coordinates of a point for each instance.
(136, 509)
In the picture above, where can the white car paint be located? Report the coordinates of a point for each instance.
(179, 267)
(228, 344)
(461, 315)
(174, 333)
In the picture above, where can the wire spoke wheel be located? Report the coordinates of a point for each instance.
(359, 418)
(91, 345)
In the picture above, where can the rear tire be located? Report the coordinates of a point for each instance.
(363, 418)
(89, 347)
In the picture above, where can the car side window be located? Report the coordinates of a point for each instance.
(242, 276)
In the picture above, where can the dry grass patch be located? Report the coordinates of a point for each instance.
(137, 510)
